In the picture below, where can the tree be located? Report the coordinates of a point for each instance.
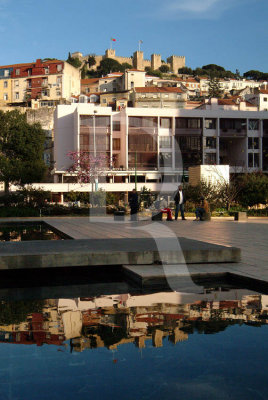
(254, 189)
(126, 66)
(213, 67)
(164, 68)
(21, 150)
(84, 72)
(74, 61)
(185, 70)
(109, 65)
(214, 89)
(87, 167)
(91, 61)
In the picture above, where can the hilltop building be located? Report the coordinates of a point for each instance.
(137, 60)
(41, 83)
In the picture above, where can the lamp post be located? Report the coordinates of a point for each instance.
(94, 146)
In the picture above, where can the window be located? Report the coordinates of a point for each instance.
(6, 72)
(46, 69)
(253, 124)
(165, 142)
(165, 123)
(253, 143)
(132, 84)
(116, 126)
(59, 67)
(211, 142)
(17, 95)
(210, 158)
(104, 101)
(165, 159)
(45, 92)
(265, 99)
(46, 103)
(5, 96)
(30, 71)
(16, 83)
(5, 84)
(17, 71)
(210, 123)
(87, 90)
(116, 144)
(58, 80)
(253, 160)
(58, 93)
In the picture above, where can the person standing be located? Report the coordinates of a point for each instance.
(179, 199)
(134, 205)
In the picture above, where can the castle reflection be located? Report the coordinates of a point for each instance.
(113, 320)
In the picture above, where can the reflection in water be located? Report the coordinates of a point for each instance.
(20, 232)
(113, 320)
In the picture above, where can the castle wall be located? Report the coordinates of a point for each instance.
(138, 62)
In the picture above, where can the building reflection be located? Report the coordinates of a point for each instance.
(114, 320)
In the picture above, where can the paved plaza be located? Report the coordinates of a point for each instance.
(251, 237)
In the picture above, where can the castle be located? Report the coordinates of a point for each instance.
(137, 61)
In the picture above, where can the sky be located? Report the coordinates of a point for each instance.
(230, 33)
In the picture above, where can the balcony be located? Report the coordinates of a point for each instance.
(188, 131)
(239, 132)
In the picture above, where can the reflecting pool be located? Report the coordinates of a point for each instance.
(24, 231)
(133, 345)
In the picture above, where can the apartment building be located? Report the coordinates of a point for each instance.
(41, 83)
(161, 144)
(158, 97)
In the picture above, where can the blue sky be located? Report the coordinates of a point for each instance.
(230, 33)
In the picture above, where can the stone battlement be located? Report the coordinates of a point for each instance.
(137, 61)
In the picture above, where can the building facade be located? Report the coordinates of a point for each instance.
(41, 83)
(161, 144)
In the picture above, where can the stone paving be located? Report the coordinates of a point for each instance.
(250, 236)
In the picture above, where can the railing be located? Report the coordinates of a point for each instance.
(188, 131)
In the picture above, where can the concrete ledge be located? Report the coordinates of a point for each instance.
(86, 252)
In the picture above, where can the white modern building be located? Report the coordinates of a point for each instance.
(161, 144)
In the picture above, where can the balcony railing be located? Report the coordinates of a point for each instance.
(232, 132)
(188, 131)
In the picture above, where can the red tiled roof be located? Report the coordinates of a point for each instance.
(264, 91)
(90, 80)
(153, 89)
(137, 70)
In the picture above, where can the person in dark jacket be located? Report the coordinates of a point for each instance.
(179, 199)
(134, 205)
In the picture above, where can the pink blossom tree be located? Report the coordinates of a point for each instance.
(88, 167)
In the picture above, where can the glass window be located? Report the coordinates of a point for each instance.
(253, 143)
(116, 126)
(211, 142)
(165, 142)
(165, 123)
(210, 158)
(116, 144)
(253, 124)
(17, 71)
(210, 123)
(5, 84)
(165, 159)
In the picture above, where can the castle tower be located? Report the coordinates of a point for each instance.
(110, 53)
(138, 60)
(176, 62)
(156, 61)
